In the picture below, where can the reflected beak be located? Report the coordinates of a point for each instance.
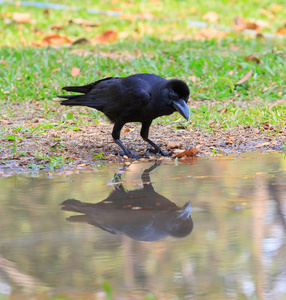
(185, 211)
(181, 107)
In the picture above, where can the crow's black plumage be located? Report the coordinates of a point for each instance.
(141, 214)
(136, 98)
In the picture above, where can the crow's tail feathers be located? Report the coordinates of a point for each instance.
(72, 100)
(79, 89)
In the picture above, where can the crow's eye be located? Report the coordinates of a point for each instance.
(172, 95)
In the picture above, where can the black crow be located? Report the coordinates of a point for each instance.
(141, 214)
(136, 98)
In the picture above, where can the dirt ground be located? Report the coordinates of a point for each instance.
(37, 144)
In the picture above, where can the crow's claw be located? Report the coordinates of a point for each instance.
(132, 156)
(161, 152)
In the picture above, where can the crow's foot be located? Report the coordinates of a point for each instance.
(133, 156)
(160, 151)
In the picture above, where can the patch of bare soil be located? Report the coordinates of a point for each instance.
(34, 137)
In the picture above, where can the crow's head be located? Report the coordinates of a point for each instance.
(178, 95)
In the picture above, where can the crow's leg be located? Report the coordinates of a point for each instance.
(116, 136)
(145, 132)
(146, 174)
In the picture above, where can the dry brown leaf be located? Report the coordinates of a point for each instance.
(211, 16)
(5, 15)
(224, 110)
(262, 144)
(244, 78)
(187, 153)
(281, 30)
(251, 25)
(128, 17)
(262, 24)
(56, 39)
(46, 11)
(56, 70)
(173, 145)
(75, 71)
(3, 62)
(252, 58)
(267, 13)
(146, 16)
(274, 142)
(276, 7)
(239, 24)
(80, 41)
(209, 32)
(23, 40)
(56, 26)
(239, 21)
(83, 22)
(21, 17)
(105, 37)
(256, 130)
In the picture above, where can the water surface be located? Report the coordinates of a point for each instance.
(213, 228)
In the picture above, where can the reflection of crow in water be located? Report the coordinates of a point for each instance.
(141, 214)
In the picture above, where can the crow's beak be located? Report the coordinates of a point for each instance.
(181, 107)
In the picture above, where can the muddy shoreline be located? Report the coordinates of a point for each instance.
(34, 141)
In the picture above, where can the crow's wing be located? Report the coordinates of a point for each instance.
(88, 87)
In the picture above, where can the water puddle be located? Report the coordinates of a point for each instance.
(210, 229)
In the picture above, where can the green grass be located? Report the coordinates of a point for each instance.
(210, 67)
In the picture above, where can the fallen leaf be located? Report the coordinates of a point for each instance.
(7, 21)
(252, 58)
(239, 24)
(75, 71)
(267, 13)
(251, 25)
(262, 144)
(83, 22)
(256, 130)
(56, 39)
(46, 11)
(274, 142)
(21, 17)
(209, 32)
(260, 35)
(128, 17)
(81, 41)
(55, 70)
(263, 24)
(188, 153)
(105, 37)
(23, 40)
(126, 130)
(276, 7)
(281, 30)
(56, 26)
(173, 145)
(3, 62)
(244, 78)
(239, 21)
(211, 16)
(5, 15)
(146, 16)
